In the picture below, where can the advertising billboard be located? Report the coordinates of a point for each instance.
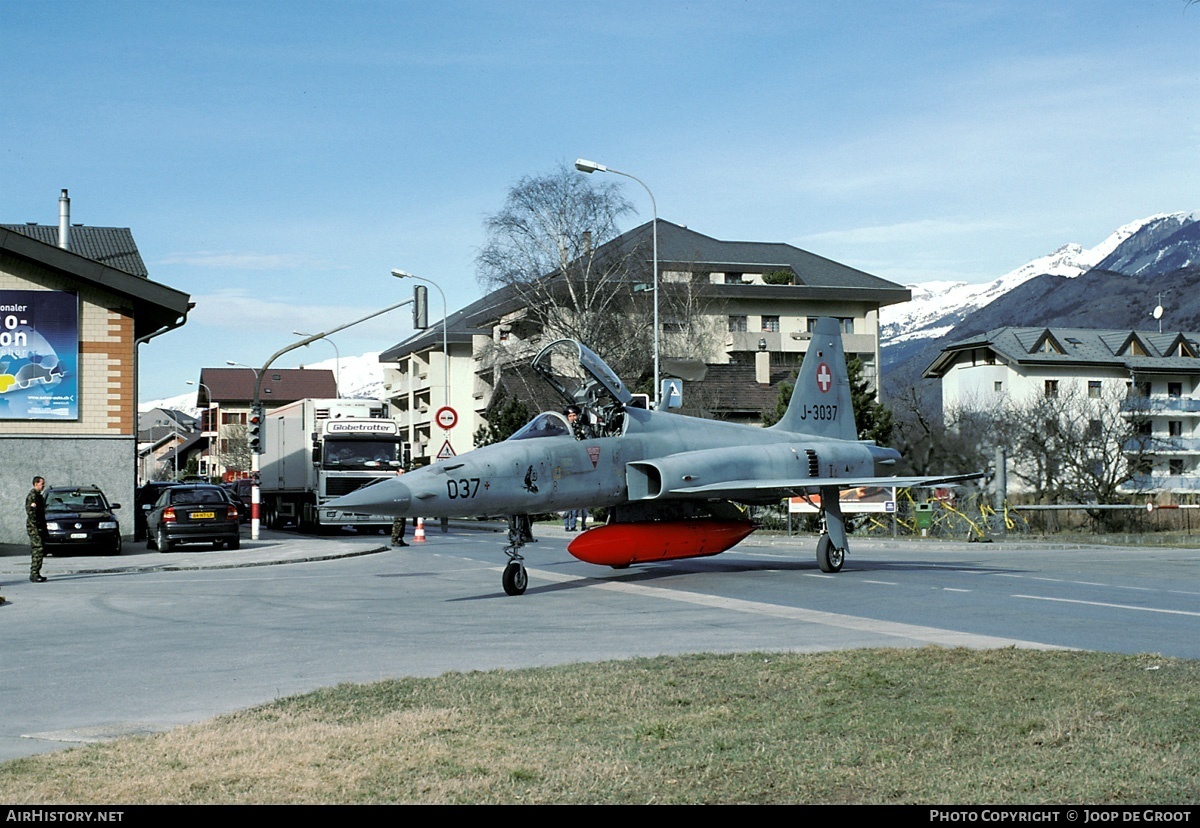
(861, 499)
(39, 355)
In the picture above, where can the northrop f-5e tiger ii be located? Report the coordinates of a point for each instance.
(671, 483)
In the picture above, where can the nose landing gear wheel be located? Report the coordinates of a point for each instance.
(515, 578)
(829, 558)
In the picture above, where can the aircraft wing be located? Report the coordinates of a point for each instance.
(778, 489)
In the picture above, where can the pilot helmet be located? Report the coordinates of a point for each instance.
(573, 409)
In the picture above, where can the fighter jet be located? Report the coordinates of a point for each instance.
(670, 483)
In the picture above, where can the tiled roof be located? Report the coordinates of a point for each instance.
(156, 307)
(816, 278)
(1080, 346)
(280, 385)
(113, 246)
(730, 389)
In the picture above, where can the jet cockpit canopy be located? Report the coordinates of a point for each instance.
(581, 378)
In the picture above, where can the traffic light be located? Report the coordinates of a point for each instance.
(254, 430)
(420, 307)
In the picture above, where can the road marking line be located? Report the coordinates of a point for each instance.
(928, 635)
(1111, 606)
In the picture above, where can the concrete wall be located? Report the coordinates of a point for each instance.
(107, 462)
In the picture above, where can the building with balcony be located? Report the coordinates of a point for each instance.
(1157, 375)
(748, 304)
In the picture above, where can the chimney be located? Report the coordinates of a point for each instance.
(762, 367)
(64, 221)
(587, 242)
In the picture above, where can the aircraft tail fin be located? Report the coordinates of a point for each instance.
(821, 404)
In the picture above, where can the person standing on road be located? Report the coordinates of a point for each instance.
(35, 525)
(399, 524)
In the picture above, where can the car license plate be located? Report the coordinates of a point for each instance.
(203, 515)
(79, 536)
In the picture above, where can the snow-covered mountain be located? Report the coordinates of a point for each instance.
(358, 376)
(936, 307)
(1111, 285)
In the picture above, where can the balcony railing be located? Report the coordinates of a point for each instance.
(1162, 483)
(1162, 445)
(1157, 405)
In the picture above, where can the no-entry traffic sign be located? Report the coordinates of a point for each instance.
(446, 417)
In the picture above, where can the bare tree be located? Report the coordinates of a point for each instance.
(1082, 447)
(234, 448)
(932, 444)
(1072, 445)
(547, 245)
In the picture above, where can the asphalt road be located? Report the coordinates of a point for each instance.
(147, 641)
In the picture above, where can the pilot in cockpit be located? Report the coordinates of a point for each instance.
(574, 415)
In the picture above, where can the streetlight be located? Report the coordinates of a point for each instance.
(256, 402)
(400, 274)
(208, 410)
(585, 166)
(337, 363)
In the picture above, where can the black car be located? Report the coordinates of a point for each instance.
(79, 516)
(192, 513)
(240, 489)
(143, 500)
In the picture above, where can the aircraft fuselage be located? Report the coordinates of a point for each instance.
(657, 455)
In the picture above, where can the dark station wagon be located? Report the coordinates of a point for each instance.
(79, 516)
(193, 513)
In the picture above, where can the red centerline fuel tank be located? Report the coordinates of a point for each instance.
(622, 544)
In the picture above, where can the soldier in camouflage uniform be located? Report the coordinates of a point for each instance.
(35, 525)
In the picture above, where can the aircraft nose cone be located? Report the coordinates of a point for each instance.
(389, 497)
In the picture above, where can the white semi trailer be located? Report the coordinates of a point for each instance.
(316, 450)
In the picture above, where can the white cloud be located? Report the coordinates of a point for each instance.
(238, 311)
(901, 232)
(239, 260)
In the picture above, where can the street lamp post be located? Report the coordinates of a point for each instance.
(337, 374)
(585, 166)
(255, 489)
(207, 410)
(400, 274)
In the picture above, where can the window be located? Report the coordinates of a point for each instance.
(998, 387)
(1094, 429)
(1175, 428)
(737, 324)
(1051, 388)
(1174, 389)
(1094, 389)
(233, 418)
(1176, 466)
(734, 279)
(770, 324)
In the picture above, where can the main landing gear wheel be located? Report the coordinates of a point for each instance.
(829, 558)
(515, 578)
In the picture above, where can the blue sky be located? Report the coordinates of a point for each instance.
(277, 159)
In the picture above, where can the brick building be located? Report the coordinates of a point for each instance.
(75, 304)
